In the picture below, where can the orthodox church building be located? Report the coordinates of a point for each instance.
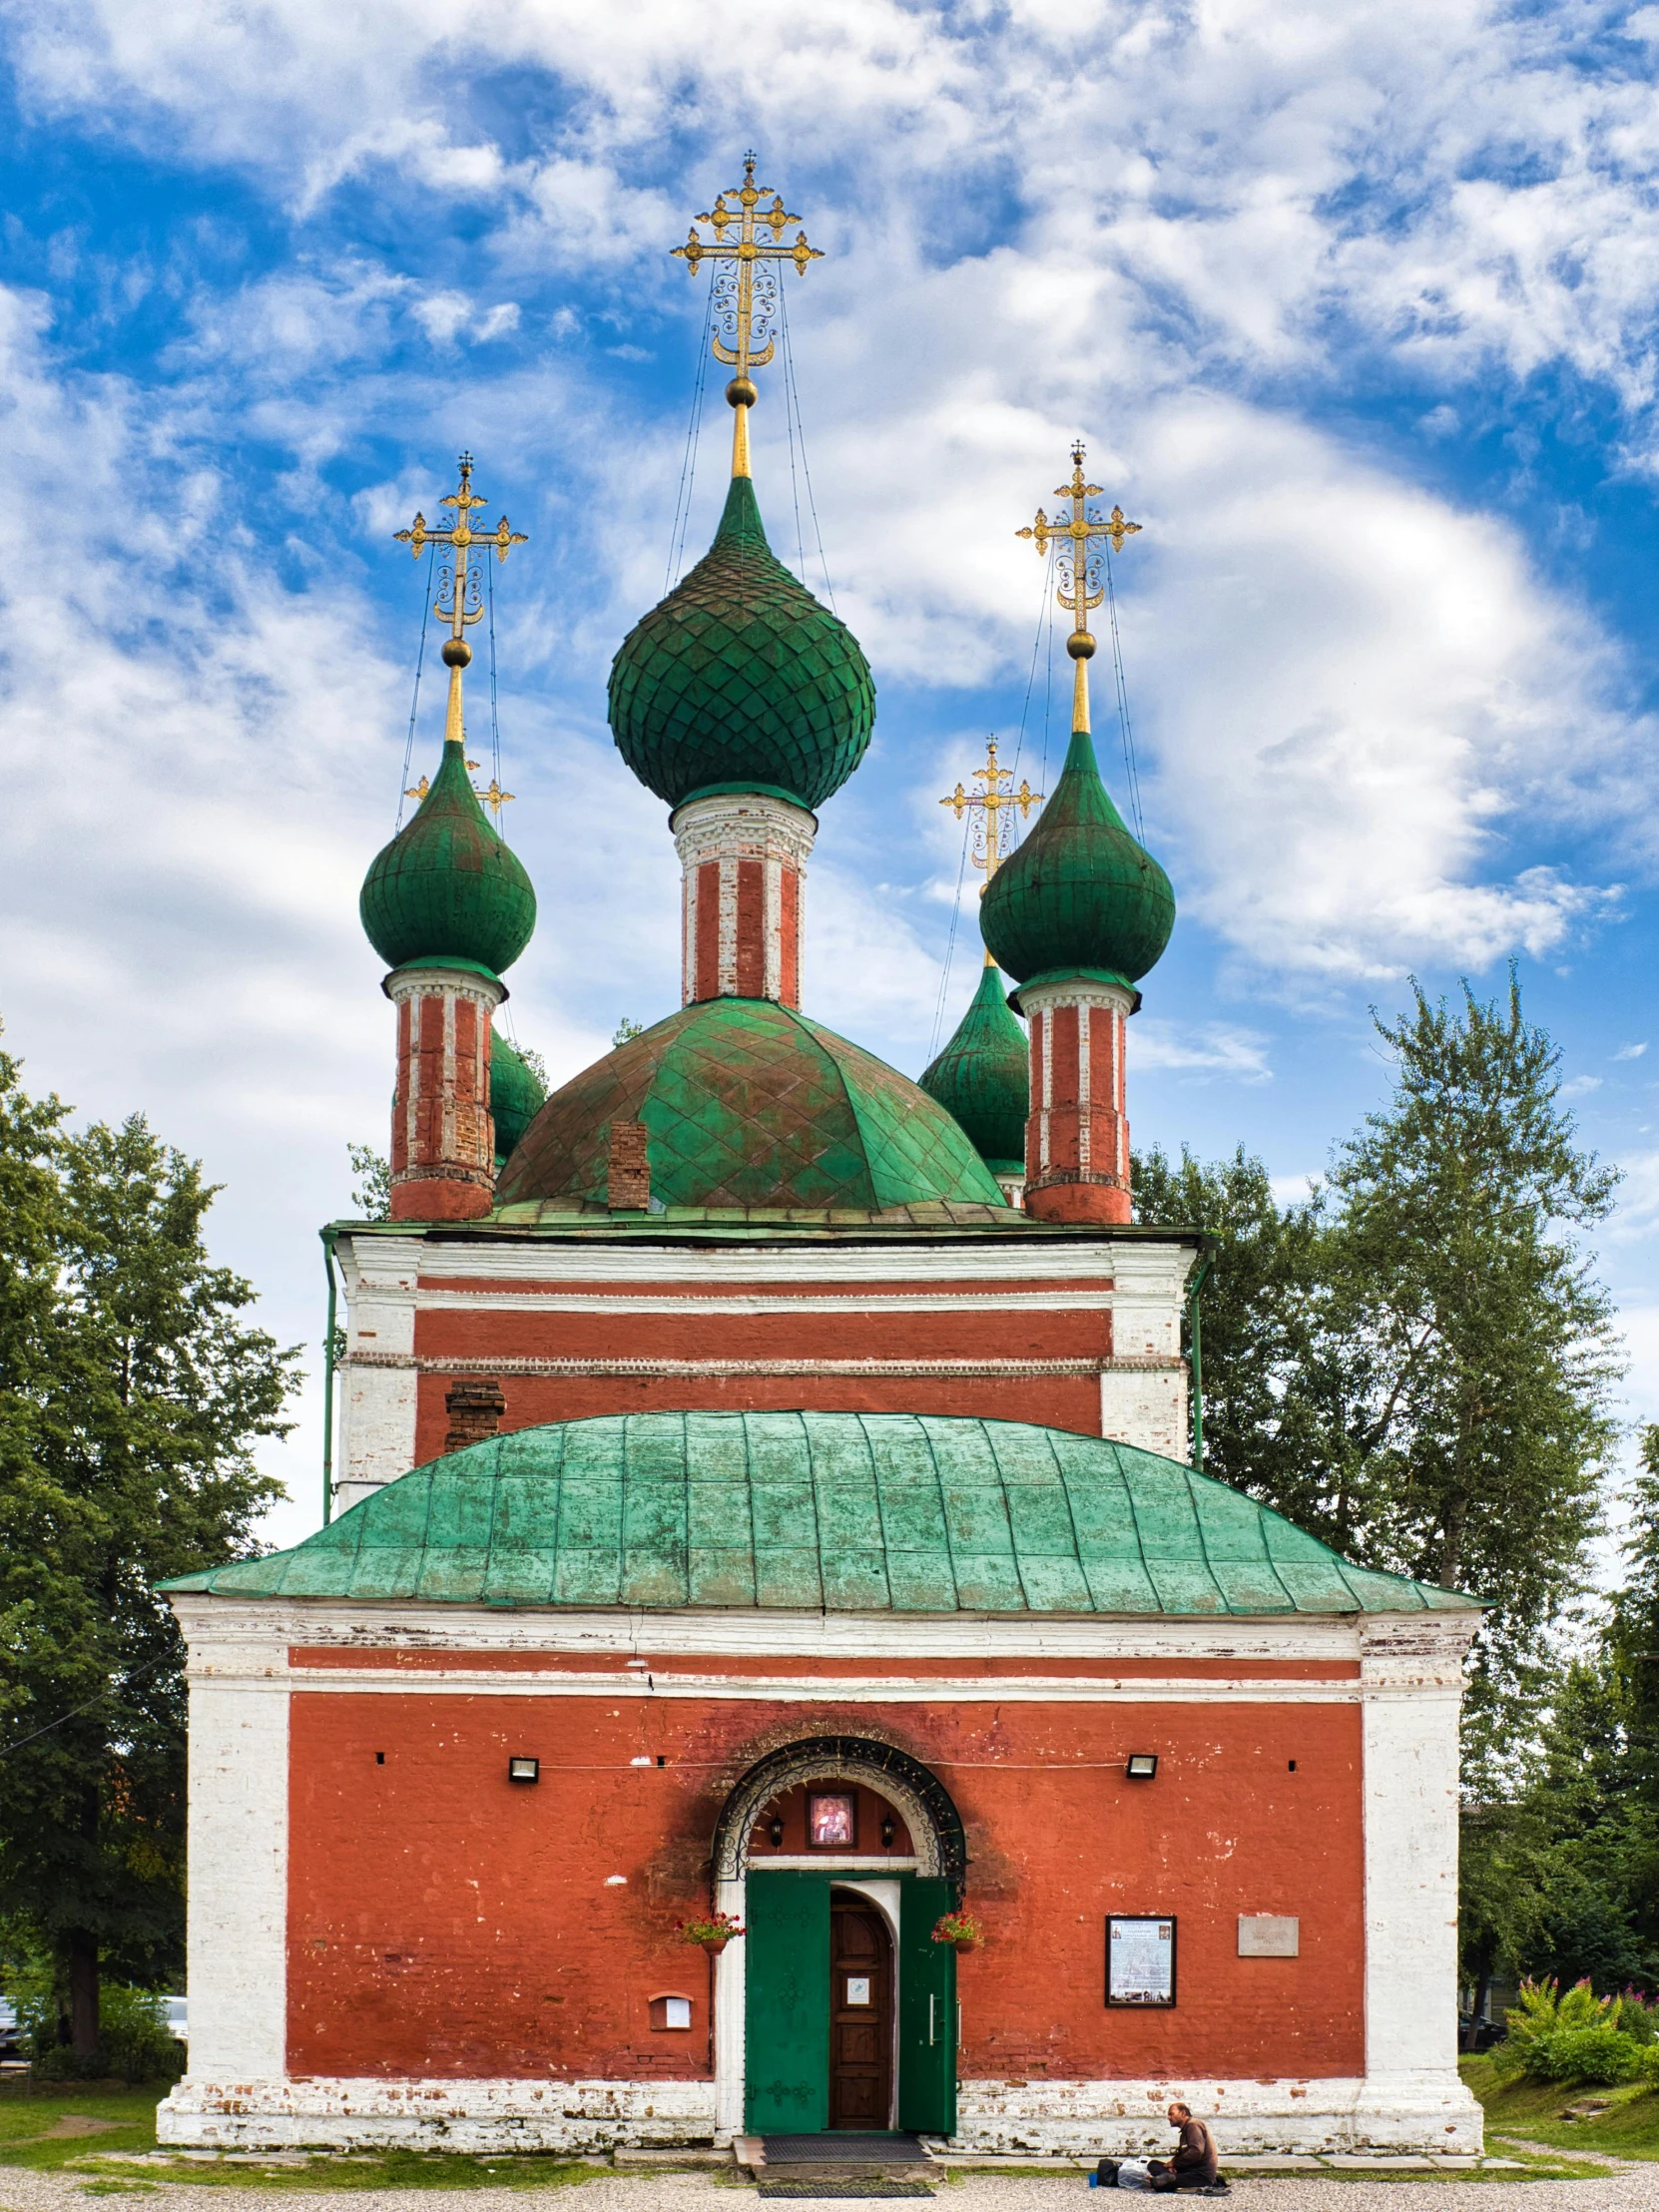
(763, 1514)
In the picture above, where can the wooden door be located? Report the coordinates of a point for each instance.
(861, 2013)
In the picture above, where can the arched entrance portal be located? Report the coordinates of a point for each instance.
(838, 2011)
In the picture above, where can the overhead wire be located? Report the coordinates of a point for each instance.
(414, 702)
(1131, 770)
(790, 387)
(951, 944)
(688, 459)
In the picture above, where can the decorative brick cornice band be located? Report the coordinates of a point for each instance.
(997, 1369)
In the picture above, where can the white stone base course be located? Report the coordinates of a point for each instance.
(372, 2115)
(1427, 2114)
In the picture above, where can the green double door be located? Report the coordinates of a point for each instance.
(788, 2006)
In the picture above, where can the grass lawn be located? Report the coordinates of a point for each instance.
(1628, 2128)
(41, 2131)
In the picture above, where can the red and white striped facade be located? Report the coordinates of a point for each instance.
(442, 1131)
(744, 859)
(1077, 1134)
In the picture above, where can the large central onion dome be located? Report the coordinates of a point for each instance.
(739, 680)
(745, 1103)
(447, 888)
(1079, 895)
(983, 1077)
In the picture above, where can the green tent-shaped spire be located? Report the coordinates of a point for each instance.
(1080, 895)
(983, 1077)
(447, 888)
(739, 680)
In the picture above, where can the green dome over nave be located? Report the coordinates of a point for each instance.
(739, 680)
(516, 1095)
(745, 1103)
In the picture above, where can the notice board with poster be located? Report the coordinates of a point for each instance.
(1140, 1959)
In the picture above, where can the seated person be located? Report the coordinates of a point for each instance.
(1194, 2163)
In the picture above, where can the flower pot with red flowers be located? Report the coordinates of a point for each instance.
(712, 1933)
(959, 1930)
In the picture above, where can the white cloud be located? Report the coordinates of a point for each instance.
(1212, 1049)
(1630, 1051)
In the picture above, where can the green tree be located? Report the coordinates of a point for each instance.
(142, 1405)
(1479, 1426)
(372, 1173)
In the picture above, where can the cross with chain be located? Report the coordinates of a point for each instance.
(1081, 586)
(989, 848)
(461, 581)
(748, 245)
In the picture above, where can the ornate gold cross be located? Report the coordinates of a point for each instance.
(460, 580)
(1081, 585)
(989, 843)
(746, 285)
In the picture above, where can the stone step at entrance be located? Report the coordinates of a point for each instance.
(890, 2155)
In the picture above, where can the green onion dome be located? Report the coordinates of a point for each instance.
(1081, 894)
(745, 1103)
(516, 1095)
(447, 888)
(739, 680)
(983, 1077)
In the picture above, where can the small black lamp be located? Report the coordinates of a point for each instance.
(1142, 1767)
(888, 1832)
(776, 1832)
(523, 1769)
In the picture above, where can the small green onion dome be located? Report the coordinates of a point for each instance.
(739, 680)
(983, 1077)
(447, 888)
(516, 1095)
(1081, 894)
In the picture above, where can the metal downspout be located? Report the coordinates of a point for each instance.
(1195, 1326)
(329, 1236)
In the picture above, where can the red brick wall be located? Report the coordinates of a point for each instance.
(445, 1922)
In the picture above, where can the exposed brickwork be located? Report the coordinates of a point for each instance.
(445, 1923)
(475, 1406)
(628, 1178)
(442, 1137)
(1077, 1135)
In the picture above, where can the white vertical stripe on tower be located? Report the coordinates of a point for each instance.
(1046, 1023)
(772, 927)
(688, 933)
(410, 1103)
(1085, 1090)
(450, 1077)
(725, 981)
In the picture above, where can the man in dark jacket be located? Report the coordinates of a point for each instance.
(1194, 2163)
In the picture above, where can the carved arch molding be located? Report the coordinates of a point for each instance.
(929, 1812)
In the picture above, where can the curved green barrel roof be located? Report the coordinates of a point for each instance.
(447, 888)
(516, 1096)
(740, 679)
(983, 1076)
(748, 1103)
(839, 1512)
(1080, 892)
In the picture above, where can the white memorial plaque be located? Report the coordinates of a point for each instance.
(858, 1989)
(1269, 1936)
(1140, 1960)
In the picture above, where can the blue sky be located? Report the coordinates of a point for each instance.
(1356, 308)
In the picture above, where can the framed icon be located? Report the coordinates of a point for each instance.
(1140, 1959)
(858, 1989)
(832, 1820)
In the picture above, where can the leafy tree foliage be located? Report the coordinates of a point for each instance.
(132, 1391)
(371, 1176)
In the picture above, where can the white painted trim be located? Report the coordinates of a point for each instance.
(712, 1304)
(1026, 1253)
(1383, 2114)
(236, 1913)
(434, 1362)
(796, 1689)
(230, 1624)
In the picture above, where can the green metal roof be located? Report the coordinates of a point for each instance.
(983, 1076)
(842, 1512)
(1080, 892)
(746, 1103)
(448, 883)
(739, 680)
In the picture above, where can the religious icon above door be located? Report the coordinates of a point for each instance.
(832, 1820)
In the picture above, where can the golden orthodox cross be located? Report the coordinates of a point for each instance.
(1081, 586)
(460, 580)
(746, 285)
(989, 848)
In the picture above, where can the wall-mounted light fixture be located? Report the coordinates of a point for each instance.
(1143, 1765)
(776, 1832)
(888, 1832)
(523, 1769)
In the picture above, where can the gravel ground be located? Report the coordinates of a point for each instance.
(1632, 2188)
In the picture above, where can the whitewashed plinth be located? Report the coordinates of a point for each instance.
(498, 2115)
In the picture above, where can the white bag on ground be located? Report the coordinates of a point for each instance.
(1133, 2174)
